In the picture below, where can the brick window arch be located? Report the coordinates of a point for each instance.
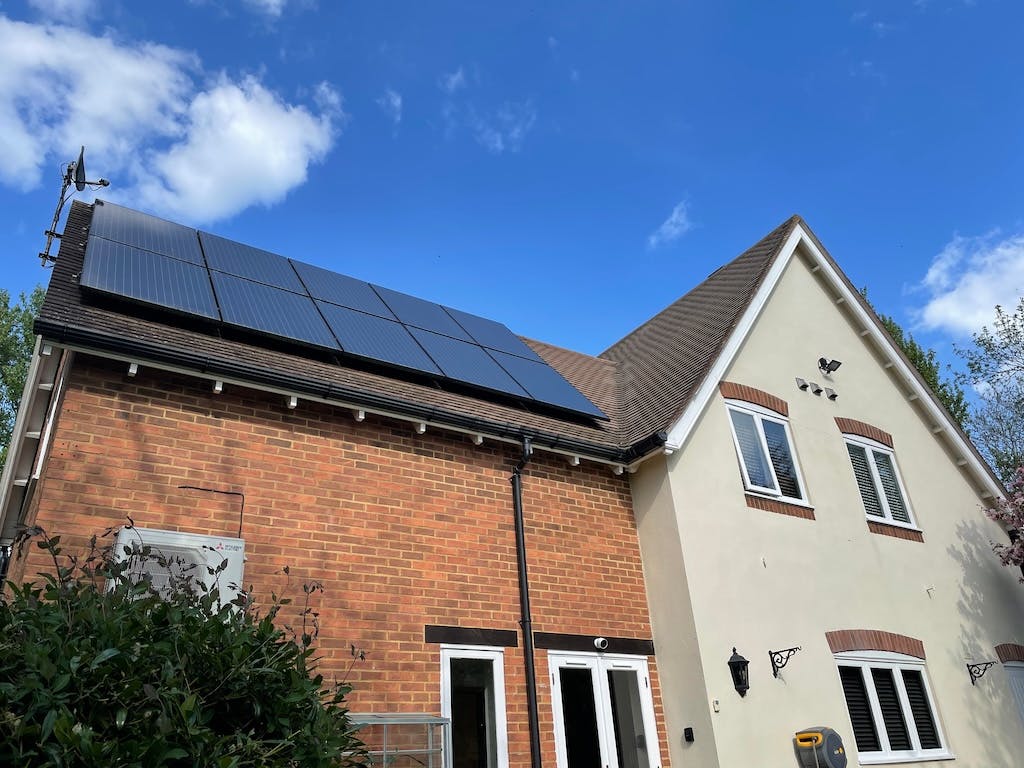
(843, 640)
(863, 429)
(1010, 652)
(733, 391)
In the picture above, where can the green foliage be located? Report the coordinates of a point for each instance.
(995, 369)
(124, 676)
(16, 342)
(948, 390)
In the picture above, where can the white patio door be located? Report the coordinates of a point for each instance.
(603, 711)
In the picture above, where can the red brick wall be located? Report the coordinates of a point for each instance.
(403, 530)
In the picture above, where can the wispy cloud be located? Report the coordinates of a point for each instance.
(271, 8)
(968, 278)
(170, 135)
(675, 226)
(868, 71)
(451, 82)
(391, 103)
(505, 129)
(65, 11)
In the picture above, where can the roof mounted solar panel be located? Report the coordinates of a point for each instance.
(375, 338)
(148, 277)
(252, 263)
(492, 334)
(466, 362)
(422, 314)
(258, 307)
(139, 230)
(547, 385)
(342, 290)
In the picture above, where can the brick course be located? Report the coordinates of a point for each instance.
(1010, 652)
(402, 530)
(873, 640)
(734, 391)
(854, 427)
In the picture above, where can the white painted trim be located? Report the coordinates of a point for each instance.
(679, 432)
(497, 658)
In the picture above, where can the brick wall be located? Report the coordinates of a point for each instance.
(403, 530)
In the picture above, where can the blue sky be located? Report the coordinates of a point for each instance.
(567, 168)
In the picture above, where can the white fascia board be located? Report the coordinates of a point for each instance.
(679, 432)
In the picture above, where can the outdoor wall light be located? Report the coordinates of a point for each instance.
(977, 671)
(781, 658)
(828, 366)
(738, 666)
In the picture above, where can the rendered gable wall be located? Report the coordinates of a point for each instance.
(761, 580)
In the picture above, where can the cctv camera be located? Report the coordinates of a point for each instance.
(601, 643)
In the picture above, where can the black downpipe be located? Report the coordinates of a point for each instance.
(526, 621)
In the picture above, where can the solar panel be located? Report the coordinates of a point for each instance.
(264, 308)
(245, 261)
(422, 314)
(546, 384)
(376, 338)
(462, 361)
(341, 289)
(492, 334)
(148, 277)
(123, 225)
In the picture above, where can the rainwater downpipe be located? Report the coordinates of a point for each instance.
(526, 621)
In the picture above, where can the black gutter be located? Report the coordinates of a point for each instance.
(526, 620)
(62, 333)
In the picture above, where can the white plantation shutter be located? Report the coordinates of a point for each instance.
(782, 459)
(866, 483)
(891, 488)
(758, 472)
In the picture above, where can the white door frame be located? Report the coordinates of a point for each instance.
(497, 658)
(599, 665)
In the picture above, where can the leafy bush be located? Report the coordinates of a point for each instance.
(98, 671)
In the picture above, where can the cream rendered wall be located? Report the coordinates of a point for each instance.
(760, 580)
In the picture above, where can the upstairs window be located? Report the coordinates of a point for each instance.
(881, 490)
(763, 445)
(891, 708)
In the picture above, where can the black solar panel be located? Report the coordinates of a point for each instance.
(422, 314)
(463, 361)
(123, 225)
(376, 338)
(261, 307)
(341, 289)
(148, 277)
(245, 261)
(492, 334)
(545, 384)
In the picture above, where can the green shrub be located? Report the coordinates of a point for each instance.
(98, 671)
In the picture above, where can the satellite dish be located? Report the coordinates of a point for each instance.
(80, 171)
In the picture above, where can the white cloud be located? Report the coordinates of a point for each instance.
(272, 8)
(968, 278)
(66, 11)
(163, 140)
(391, 103)
(675, 226)
(506, 129)
(452, 81)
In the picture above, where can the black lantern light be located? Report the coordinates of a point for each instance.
(740, 677)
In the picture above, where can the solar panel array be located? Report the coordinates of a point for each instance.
(136, 256)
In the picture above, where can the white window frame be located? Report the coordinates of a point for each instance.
(497, 658)
(873, 445)
(868, 660)
(761, 414)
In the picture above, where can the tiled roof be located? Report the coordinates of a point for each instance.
(642, 383)
(663, 362)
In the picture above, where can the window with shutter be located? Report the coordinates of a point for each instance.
(891, 710)
(765, 452)
(881, 489)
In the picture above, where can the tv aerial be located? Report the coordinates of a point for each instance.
(74, 173)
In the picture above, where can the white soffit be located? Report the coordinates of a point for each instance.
(679, 432)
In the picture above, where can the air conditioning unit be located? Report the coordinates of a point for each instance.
(185, 554)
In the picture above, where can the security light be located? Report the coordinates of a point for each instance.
(828, 366)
